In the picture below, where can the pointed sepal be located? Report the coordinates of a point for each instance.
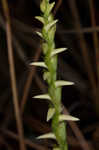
(47, 136)
(48, 26)
(67, 118)
(50, 7)
(63, 83)
(39, 64)
(39, 34)
(50, 113)
(41, 19)
(43, 96)
(59, 50)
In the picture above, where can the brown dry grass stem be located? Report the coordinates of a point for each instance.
(12, 75)
(82, 30)
(5, 143)
(26, 141)
(58, 4)
(84, 49)
(96, 47)
(95, 35)
(29, 81)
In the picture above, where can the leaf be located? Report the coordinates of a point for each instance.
(63, 83)
(47, 136)
(50, 113)
(43, 96)
(39, 33)
(56, 51)
(41, 19)
(67, 117)
(39, 64)
(47, 27)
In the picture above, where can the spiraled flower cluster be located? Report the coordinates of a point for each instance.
(50, 76)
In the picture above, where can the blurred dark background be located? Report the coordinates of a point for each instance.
(77, 30)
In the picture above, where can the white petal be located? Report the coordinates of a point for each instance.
(41, 19)
(40, 34)
(43, 96)
(63, 83)
(67, 117)
(47, 136)
(39, 64)
(56, 51)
